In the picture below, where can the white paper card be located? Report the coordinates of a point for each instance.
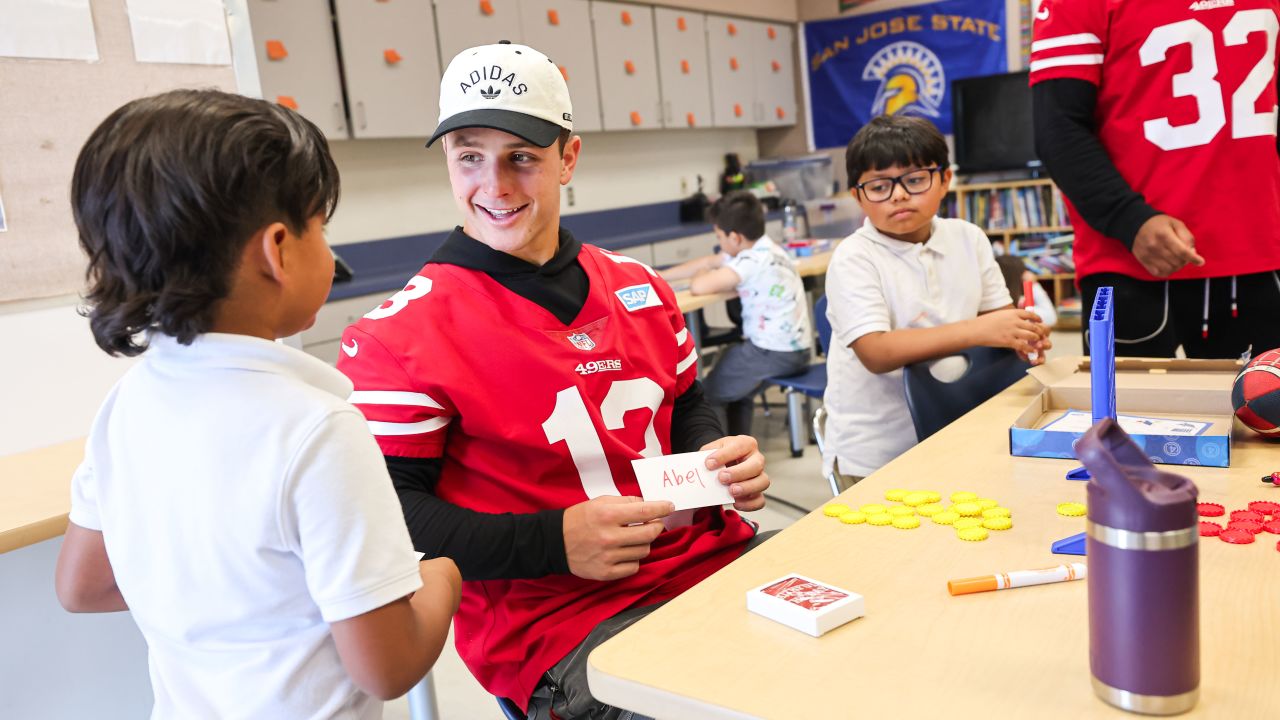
(1080, 421)
(683, 479)
(48, 29)
(191, 32)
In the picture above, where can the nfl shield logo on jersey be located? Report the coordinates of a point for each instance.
(582, 341)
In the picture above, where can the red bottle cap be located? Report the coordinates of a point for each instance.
(1265, 507)
(1252, 526)
(1236, 537)
(1247, 515)
(1272, 527)
(1210, 529)
(1211, 510)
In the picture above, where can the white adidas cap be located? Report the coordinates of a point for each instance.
(507, 87)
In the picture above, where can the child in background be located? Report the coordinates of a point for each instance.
(1016, 276)
(230, 497)
(775, 319)
(905, 288)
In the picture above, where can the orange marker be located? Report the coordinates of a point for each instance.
(1018, 578)
(1028, 303)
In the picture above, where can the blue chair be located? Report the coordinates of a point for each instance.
(934, 404)
(509, 709)
(811, 383)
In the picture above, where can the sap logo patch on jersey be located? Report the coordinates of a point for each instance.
(582, 341)
(638, 297)
(596, 366)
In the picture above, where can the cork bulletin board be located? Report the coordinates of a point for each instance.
(47, 110)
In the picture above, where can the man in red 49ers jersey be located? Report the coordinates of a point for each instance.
(512, 382)
(1157, 118)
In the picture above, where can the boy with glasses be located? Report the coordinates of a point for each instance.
(905, 288)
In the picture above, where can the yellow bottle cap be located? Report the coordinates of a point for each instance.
(933, 496)
(973, 534)
(916, 498)
(986, 503)
(853, 518)
(959, 497)
(902, 522)
(997, 523)
(946, 517)
(835, 510)
(996, 512)
(883, 518)
(966, 522)
(902, 511)
(895, 495)
(1072, 509)
(967, 508)
(930, 509)
(873, 509)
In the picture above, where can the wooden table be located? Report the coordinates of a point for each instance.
(35, 493)
(920, 653)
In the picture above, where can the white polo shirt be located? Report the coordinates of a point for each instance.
(244, 506)
(775, 315)
(876, 284)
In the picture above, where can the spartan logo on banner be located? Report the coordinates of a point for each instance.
(898, 62)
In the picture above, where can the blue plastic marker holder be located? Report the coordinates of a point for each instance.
(1073, 545)
(1102, 363)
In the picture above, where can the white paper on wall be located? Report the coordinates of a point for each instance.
(191, 32)
(47, 29)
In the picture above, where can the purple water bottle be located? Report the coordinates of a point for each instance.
(1143, 550)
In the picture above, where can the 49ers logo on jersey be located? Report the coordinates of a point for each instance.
(582, 341)
(596, 366)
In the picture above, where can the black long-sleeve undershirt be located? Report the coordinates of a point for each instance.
(488, 546)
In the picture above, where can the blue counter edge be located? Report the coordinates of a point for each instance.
(385, 265)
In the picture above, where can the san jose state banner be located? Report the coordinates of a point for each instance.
(898, 62)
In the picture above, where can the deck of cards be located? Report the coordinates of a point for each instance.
(805, 604)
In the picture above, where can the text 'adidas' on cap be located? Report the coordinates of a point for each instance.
(507, 87)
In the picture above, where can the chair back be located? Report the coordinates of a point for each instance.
(822, 324)
(934, 404)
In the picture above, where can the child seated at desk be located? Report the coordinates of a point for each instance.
(230, 497)
(905, 288)
(775, 319)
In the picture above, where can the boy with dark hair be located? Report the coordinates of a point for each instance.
(230, 497)
(775, 319)
(510, 385)
(907, 287)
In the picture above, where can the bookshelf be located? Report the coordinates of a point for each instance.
(1026, 218)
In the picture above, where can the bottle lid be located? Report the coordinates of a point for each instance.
(902, 511)
(1247, 515)
(1265, 507)
(1072, 509)
(933, 496)
(853, 518)
(1252, 526)
(1236, 537)
(1272, 527)
(883, 518)
(995, 512)
(966, 522)
(959, 497)
(967, 508)
(997, 523)
(1210, 510)
(1210, 529)
(929, 509)
(973, 534)
(895, 495)
(916, 498)
(835, 510)
(873, 509)
(986, 503)
(903, 522)
(946, 517)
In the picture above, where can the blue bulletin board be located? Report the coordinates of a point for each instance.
(899, 62)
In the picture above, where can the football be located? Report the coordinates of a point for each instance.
(1256, 394)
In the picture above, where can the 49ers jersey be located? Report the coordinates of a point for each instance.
(529, 414)
(1186, 110)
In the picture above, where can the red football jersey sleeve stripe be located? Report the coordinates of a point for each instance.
(1068, 40)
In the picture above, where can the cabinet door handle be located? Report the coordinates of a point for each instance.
(340, 117)
(360, 117)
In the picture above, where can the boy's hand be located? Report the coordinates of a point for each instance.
(1039, 348)
(1019, 330)
(741, 466)
(605, 538)
(442, 570)
(1164, 245)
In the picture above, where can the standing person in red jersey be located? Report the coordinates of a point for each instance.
(1157, 119)
(510, 385)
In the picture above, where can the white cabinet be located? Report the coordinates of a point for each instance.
(561, 30)
(467, 23)
(298, 60)
(752, 72)
(391, 67)
(775, 59)
(628, 66)
(682, 68)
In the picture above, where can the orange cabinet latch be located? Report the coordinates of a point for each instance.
(276, 51)
(391, 56)
(287, 101)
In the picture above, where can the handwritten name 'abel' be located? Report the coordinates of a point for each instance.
(683, 479)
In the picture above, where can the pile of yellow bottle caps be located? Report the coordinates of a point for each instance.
(971, 516)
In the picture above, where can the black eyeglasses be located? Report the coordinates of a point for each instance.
(914, 182)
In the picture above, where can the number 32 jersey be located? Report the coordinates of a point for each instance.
(1187, 112)
(529, 414)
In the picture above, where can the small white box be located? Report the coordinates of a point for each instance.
(805, 604)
